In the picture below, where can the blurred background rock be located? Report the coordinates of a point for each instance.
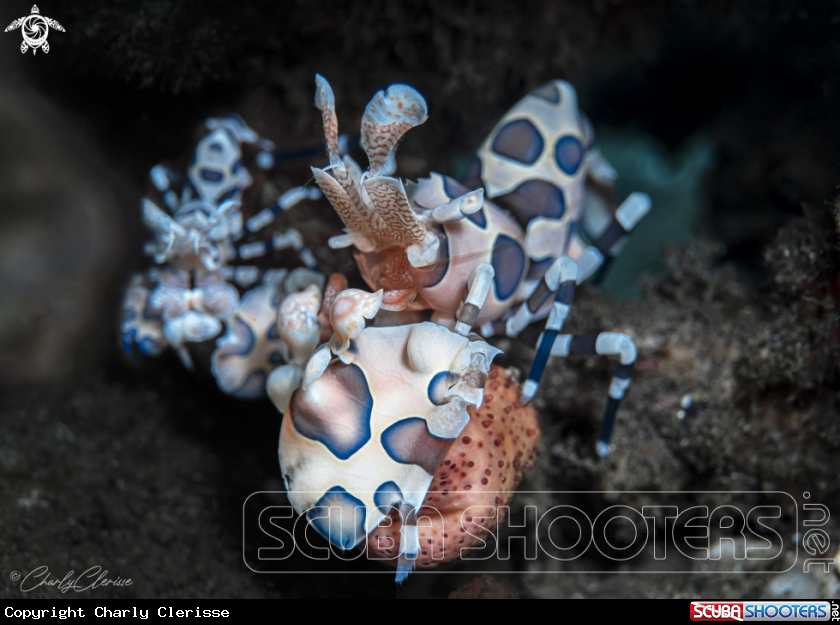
(62, 241)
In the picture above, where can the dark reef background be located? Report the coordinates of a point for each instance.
(725, 112)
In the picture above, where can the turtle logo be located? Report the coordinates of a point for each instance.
(35, 28)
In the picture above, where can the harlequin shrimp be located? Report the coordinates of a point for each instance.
(519, 257)
(275, 326)
(386, 425)
(371, 417)
(190, 295)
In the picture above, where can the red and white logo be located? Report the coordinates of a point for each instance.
(761, 611)
(717, 611)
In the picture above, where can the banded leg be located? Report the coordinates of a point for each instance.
(290, 198)
(237, 127)
(599, 168)
(409, 542)
(280, 241)
(611, 239)
(270, 158)
(478, 286)
(459, 208)
(604, 344)
(151, 277)
(247, 276)
(566, 281)
(141, 324)
(163, 178)
(168, 232)
(561, 276)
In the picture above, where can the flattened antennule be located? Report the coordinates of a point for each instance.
(388, 116)
(373, 205)
(388, 197)
(325, 102)
(361, 223)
